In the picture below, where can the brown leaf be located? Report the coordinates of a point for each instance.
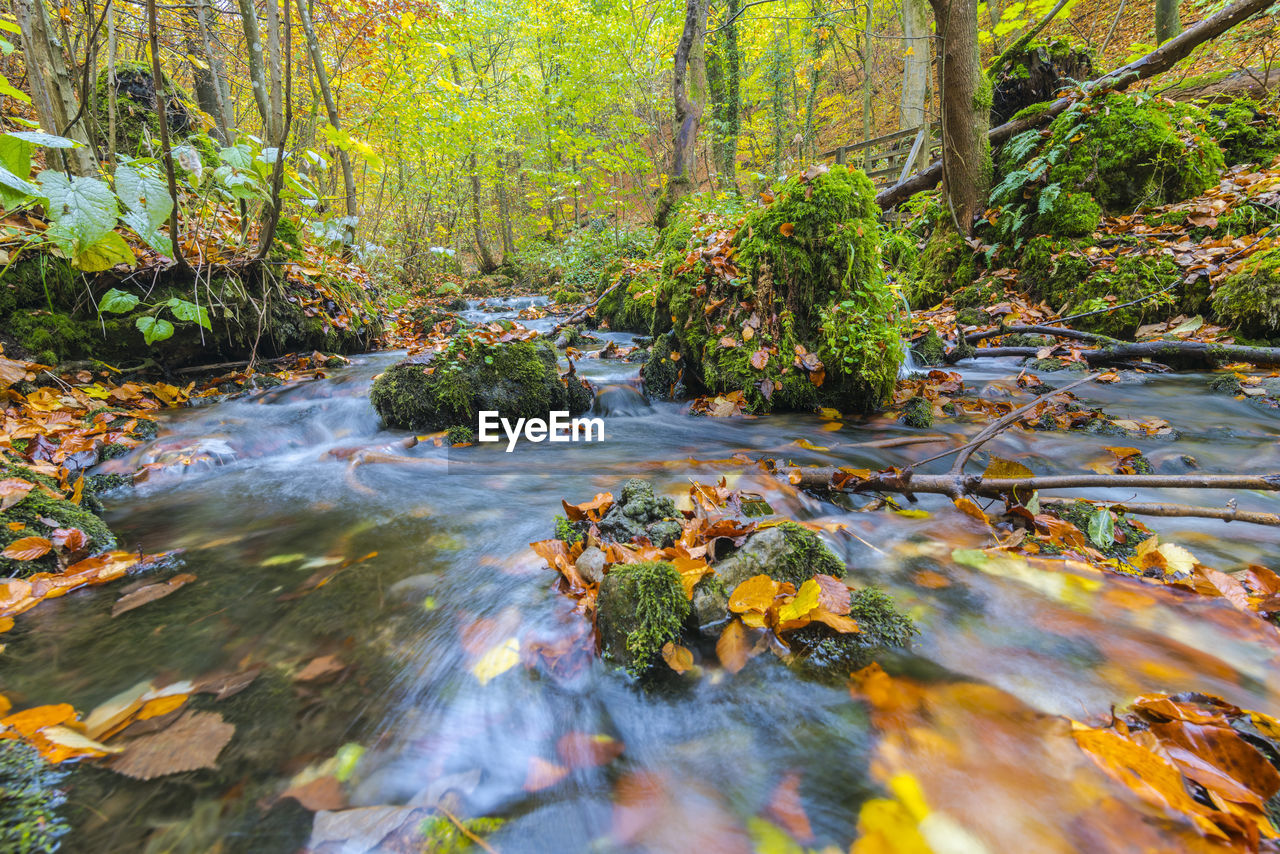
(759, 359)
(543, 774)
(786, 808)
(592, 510)
(323, 793)
(27, 548)
(999, 467)
(833, 595)
(193, 741)
(320, 668)
(733, 648)
(149, 593)
(787, 229)
(70, 539)
(677, 657)
(587, 750)
(13, 490)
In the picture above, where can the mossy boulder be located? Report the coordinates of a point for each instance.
(882, 627)
(30, 798)
(31, 516)
(1072, 215)
(946, 266)
(930, 349)
(631, 306)
(639, 512)
(1036, 74)
(137, 124)
(804, 316)
(641, 607)
(1126, 151)
(517, 379)
(1249, 300)
(661, 373)
(1245, 133)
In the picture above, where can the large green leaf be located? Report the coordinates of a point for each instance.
(47, 140)
(117, 301)
(141, 225)
(189, 311)
(15, 157)
(83, 210)
(21, 189)
(153, 328)
(1102, 528)
(143, 192)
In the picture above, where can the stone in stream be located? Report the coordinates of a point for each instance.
(590, 565)
(641, 607)
(38, 513)
(517, 379)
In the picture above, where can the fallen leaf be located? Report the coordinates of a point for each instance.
(497, 660)
(320, 668)
(193, 741)
(834, 595)
(150, 593)
(733, 648)
(788, 229)
(677, 657)
(13, 490)
(27, 548)
(786, 807)
(323, 793)
(543, 774)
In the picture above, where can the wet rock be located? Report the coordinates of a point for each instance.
(639, 513)
(517, 379)
(590, 565)
(620, 400)
(710, 605)
(640, 608)
(785, 552)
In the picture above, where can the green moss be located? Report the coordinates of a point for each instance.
(931, 349)
(632, 305)
(946, 266)
(1127, 534)
(518, 379)
(29, 801)
(978, 296)
(441, 836)
(1249, 300)
(136, 120)
(661, 375)
(460, 434)
(918, 412)
(642, 607)
(1245, 134)
(1072, 215)
(806, 556)
(1128, 151)
(38, 505)
(567, 297)
(564, 530)
(972, 317)
(810, 281)
(1132, 277)
(883, 627)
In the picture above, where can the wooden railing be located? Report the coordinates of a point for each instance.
(891, 158)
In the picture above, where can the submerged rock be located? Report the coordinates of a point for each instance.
(620, 400)
(641, 513)
(517, 379)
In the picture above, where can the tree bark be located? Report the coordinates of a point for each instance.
(1157, 62)
(689, 92)
(162, 112)
(1168, 20)
(52, 89)
(915, 66)
(274, 73)
(1182, 353)
(219, 91)
(820, 37)
(331, 110)
(966, 155)
(254, 59)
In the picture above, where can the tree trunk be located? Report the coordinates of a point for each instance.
(820, 37)
(689, 91)
(52, 89)
(484, 256)
(331, 109)
(504, 212)
(915, 67)
(253, 57)
(219, 92)
(1168, 21)
(728, 149)
(275, 131)
(966, 113)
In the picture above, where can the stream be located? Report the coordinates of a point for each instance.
(428, 568)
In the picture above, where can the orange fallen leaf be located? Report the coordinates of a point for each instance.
(677, 657)
(27, 548)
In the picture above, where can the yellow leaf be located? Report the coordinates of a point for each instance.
(999, 467)
(677, 657)
(809, 446)
(970, 508)
(806, 600)
(1177, 559)
(497, 660)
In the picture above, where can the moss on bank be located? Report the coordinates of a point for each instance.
(28, 518)
(1249, 300)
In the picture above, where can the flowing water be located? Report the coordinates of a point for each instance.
(426, 549)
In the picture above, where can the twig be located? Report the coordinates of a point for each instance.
(1055, 331)
(1226, 514)
(582, 313)
(462, 828)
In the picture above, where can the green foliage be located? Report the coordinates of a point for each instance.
(1113, 154)
(441, 836)
(153, 327)
(29, 800)
(580, 260)
(564, 530)
(1249, 300)
(806, 555)
(947, 265)
(1132, 277)
(1245, 133)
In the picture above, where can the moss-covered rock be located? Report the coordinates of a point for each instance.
(28, 518)
(137, 125)
(517, 379)
(662, 374)
(30, 797)
(785, 552)
(946, 266)
(641, 607)
(1249, 300)
(917, 412)
(808, 318)
(1071, 215)
(630, 307)
(930, 349)
(1245, 133)
(1126, 151)
(882, 627)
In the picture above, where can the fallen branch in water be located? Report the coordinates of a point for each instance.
(582, 313)
(1054, 331)
(1173, 511)
(1184, 353)
(908, 483)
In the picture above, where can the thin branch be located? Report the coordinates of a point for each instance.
(1174, 511)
